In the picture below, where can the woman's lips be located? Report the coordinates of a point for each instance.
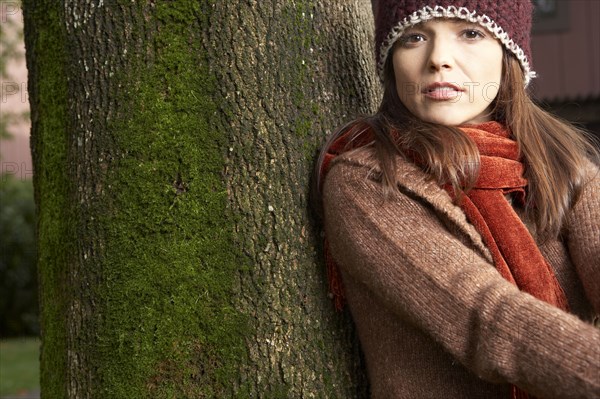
(442, 91)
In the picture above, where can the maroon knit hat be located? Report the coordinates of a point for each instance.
(508, 20)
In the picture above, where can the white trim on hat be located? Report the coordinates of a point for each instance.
(426, 13)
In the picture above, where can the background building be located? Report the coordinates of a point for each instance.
(566, 56)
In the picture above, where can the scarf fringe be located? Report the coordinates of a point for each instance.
(518, 393)
(334, 277)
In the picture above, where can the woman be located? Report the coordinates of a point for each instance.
(462, 221)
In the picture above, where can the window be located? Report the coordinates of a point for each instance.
(550, 16)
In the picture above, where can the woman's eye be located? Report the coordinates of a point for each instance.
(411, 39)
(472, 34)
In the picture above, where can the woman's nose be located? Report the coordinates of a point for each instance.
(440, 55)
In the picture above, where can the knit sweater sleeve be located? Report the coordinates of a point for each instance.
(430, 278)
(583, 237)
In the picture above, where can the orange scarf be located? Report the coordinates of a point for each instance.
(514, 251)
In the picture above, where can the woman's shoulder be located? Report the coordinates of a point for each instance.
(591, 173)
(362, 157)
(354, 172)
(366, 158)
(589, 198)
(364, 163)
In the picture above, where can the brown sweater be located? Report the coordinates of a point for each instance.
(434, 317)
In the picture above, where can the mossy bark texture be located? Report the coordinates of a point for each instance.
(173, 143)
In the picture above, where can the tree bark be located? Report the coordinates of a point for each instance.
(173, 144)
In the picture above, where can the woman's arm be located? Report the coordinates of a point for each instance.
(429, 277)
(584, 237)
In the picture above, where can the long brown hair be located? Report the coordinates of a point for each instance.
(554, 151)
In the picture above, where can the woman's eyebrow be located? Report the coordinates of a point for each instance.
(419, 26)
(457, 21)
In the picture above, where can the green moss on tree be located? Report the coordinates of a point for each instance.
(166, 123)
(170, 264)
(46, 46)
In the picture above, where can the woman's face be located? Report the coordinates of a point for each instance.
(448, 71)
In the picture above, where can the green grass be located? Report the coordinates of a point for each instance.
(19, 365)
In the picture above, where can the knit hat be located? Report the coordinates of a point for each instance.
(508, 20)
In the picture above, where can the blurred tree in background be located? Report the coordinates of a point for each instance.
(18, 282)
(11, 39)
(18, 275)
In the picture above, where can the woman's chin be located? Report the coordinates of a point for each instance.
(453, 118)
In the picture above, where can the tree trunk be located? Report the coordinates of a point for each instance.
(173, 144)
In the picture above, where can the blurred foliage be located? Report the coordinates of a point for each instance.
(9, 119)
(18, 275)
(11, 41)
